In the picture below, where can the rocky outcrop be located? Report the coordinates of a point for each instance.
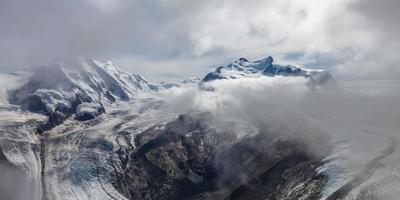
(189, 160)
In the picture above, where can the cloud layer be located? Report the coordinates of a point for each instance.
(360, 119)
(179, 38)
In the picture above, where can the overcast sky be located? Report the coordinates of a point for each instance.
(172, 39)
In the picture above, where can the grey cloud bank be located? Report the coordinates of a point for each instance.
(167, 39)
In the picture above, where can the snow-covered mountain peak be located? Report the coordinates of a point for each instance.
(243, 64)
(76, 86)
(242, 68)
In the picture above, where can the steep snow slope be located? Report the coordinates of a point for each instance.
(78, 86)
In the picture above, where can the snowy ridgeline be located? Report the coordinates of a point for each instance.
(84, 87)
(265, 67)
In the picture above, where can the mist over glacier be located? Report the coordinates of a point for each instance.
(360, 119)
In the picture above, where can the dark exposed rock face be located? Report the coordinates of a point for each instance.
(189, 160)
(173, 163)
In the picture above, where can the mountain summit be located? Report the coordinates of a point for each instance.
(265, 67)
(77, 86)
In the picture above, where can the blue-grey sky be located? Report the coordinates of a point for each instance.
(172, 39)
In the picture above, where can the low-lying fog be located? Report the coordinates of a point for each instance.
(361, 118)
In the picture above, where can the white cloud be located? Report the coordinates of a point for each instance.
(199, 33)
(244, 99)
